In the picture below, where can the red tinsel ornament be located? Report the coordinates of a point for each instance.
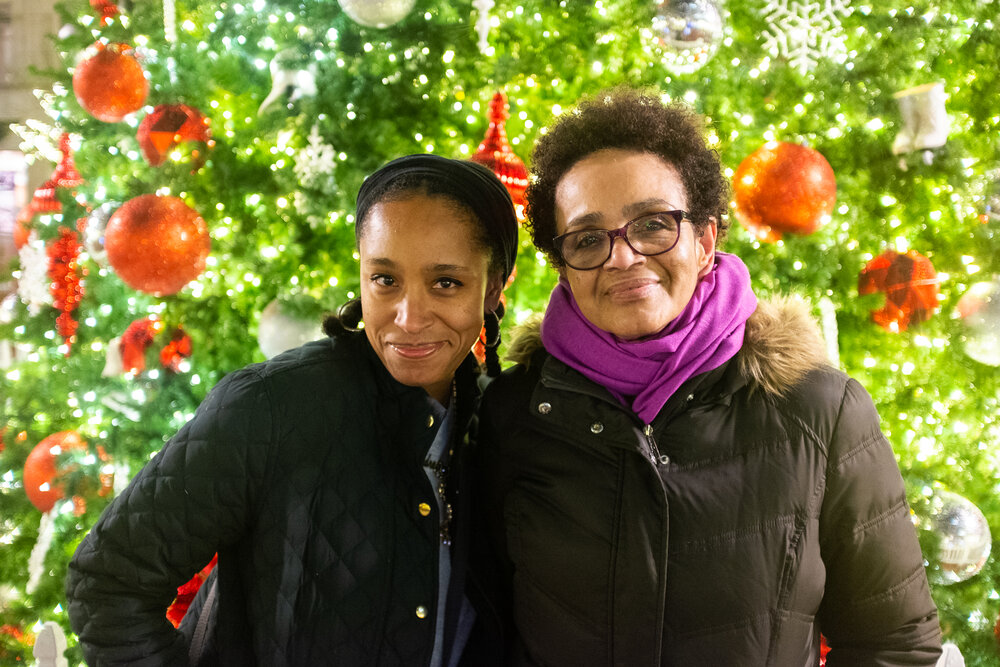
(44, 200)
(186, 593)
(783, 188)
(107, 10)
(66, 274)
(66, 175)
(177, 349)
(136, 340)
(910, 284)
(171, 124)
(110, 84)
(157, 244)
(495, 152)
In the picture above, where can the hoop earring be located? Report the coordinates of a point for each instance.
(491, 326)
(350, 315)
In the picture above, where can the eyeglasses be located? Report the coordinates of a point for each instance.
(649, 234)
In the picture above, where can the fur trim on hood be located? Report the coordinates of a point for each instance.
(781, 344)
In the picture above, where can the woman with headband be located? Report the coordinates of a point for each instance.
(329, 479)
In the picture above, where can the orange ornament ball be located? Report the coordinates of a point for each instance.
(783, 188)
(41, 482)
(110, 84)
(156, 244)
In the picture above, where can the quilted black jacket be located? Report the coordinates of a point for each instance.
(305, 474)
(761, 507)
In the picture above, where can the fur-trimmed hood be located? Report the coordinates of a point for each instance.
(781, 344)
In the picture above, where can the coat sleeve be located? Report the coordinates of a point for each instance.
(192, 498)
(876, 609)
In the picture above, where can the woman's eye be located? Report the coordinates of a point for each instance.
(586, 239)
(383, 280)
(448, 283)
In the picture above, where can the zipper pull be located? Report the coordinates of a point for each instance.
(654, 455)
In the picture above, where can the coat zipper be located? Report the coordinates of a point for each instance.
(654, 452)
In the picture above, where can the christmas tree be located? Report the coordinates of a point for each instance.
(199, 218)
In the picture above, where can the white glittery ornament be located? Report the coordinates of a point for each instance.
(979, 312)
(33, 282)
(688, 32)
(278, 331)
(805, 32)
(925, 120)
(483, 8)
(377, 13)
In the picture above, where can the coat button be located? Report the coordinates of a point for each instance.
(544, 408)
(424, 508)
(596, 427)
(430, 421)
(421, 611)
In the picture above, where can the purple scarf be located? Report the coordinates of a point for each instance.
(708, 332)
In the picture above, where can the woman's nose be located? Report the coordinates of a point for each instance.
(622, 255)
(413, 312)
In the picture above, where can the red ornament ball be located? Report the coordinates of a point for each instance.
(110, 84)
(156, 244)
(910, 284)
(169, 125)
(41, 482)
(783, 188)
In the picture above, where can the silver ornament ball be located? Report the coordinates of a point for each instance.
(377, 13)
(688, 33)
(963, 533)
(979, 312)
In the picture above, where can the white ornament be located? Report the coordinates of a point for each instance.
(50, 644)
(114, 366)
(296, 83)
(36, 561)
(315, 163)
(831, 336)
(377, 13)
(169, 21)
(950, 656)
(33, 283)
(925, 121)
(483, 8)
(278, 331)
(805, 32)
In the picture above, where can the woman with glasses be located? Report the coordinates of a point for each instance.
(672, 474)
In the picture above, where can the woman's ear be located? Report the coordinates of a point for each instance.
(706, 247)
(494, 286)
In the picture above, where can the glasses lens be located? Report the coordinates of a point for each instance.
(653, 234)
(585, 249)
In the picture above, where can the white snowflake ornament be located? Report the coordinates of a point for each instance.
(316, 162)
(805, 32)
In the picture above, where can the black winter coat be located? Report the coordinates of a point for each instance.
(762, 507)
(305, 474)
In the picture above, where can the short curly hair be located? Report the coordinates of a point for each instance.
(629, 119)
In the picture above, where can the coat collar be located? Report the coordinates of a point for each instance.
(782, 343)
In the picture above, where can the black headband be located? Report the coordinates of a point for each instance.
(468, 183)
